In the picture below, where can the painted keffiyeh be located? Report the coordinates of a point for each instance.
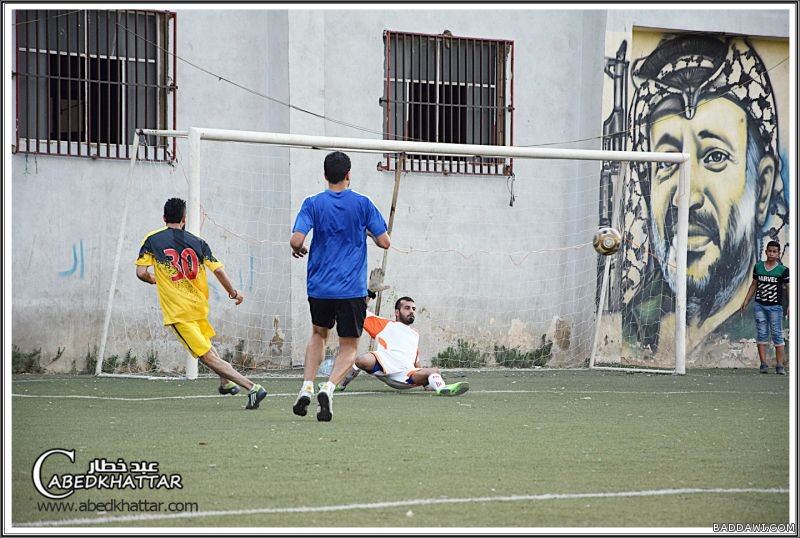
(693, 68)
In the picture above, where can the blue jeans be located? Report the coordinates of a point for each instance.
(768, 319)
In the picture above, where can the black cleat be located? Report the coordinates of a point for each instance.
(325, 407)
(254, 397)
(300, 407)
(233, 390)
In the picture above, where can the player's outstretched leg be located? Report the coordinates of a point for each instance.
(227, 387)
(433, 378)
(454, 389)
(365, 362)
(222, 368)
(351, 375)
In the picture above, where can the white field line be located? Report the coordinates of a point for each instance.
(396, 504)
(370, 393)
(299, 374)
(156, 398)
(143, 377)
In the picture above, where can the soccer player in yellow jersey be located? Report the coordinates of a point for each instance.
(179, 260)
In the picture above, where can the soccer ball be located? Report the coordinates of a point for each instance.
(607, 241)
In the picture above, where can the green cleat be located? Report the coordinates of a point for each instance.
(229, 388)
(454, 389)
(321, 384)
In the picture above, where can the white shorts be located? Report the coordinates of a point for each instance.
(401, 373)
(392, 363)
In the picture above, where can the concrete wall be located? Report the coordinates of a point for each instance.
(748, 22)
(476, 299)
(481, 270)
(62, 203)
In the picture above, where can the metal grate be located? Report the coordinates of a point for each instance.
(443, 88)
(86, 79)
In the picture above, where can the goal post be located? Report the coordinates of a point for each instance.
(682, 235)
(198, 185)
(192, 224)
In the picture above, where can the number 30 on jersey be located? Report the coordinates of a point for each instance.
(186, 263)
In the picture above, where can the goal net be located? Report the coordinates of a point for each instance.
(495, 248)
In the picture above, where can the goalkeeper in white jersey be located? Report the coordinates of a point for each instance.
(395, 360)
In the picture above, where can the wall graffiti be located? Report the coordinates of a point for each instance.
(77, 261)
(614, 139)
(711, 97)
(250, 273)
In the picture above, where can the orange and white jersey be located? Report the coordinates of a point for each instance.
(397, 344)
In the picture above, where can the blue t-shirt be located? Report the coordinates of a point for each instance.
(337, 259)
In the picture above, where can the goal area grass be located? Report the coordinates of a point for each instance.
(540, 448)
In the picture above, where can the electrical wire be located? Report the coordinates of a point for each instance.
(323, 117)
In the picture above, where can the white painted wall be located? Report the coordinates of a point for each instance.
(59, 202)
(331, 62)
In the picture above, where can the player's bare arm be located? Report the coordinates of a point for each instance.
(144, 275)
(382, 240)
(233, 293)
(296, 242)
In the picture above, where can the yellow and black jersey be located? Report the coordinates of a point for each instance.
(179, 259)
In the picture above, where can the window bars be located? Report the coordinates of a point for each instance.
(443, 88)
(85, 79)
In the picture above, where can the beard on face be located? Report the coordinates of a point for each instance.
(708, 294)
(406, 320)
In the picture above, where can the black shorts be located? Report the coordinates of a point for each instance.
(347, 314)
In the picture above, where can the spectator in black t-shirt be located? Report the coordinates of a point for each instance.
(770, 278)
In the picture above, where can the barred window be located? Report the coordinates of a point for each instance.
(86, 79)
(443, 88)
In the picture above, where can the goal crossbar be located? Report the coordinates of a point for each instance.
(437, 148)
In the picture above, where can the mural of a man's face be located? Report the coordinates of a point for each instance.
(724, 201)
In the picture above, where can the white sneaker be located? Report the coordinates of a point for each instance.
(300, 407)
(325, 406)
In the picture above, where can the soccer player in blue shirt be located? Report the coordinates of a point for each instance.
(336, 274)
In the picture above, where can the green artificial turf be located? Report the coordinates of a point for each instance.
(540, 433)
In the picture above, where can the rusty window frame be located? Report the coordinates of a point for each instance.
(112, 71)
(449, 89)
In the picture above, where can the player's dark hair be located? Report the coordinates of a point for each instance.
(400, 300)
(337, 164)
(174, 210)
(774, 244)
